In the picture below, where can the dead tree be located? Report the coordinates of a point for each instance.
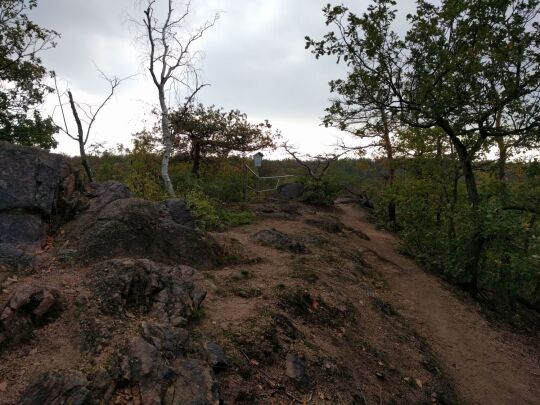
(171, 63)
(315, 166)
(82, 136)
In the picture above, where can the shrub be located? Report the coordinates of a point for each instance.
(210, 216)
(322, 193)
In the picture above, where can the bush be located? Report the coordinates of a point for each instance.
(322, 193)
(210, 216)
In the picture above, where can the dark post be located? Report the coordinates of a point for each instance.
(245, 180)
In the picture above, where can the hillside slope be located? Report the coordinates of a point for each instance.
(364, 323)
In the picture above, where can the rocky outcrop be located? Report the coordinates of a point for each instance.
(159, 376)
(155, 360)
(328, 223)
(279, 240)
(38, 191)
(140, 286)
(290, 191)
(33, 180)
(28, 307)
(128, 312)
(58, 388)
(140, 228)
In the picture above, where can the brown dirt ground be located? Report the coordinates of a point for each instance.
(378, 329)
(371, 326)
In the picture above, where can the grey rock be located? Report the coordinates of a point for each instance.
(198, 297)
(280, 240)
(328, 223)
(58, 388)
(162, 377)
(290, 191)
(16, 228)
(194, 384)
(142, 286)
(165, 337)
(296, 370)
(39, 191)
(180, 212)
(139, 228)
(34, 180)
(14, 258)
(215, 356)
(29, 307)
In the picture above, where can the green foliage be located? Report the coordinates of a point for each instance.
(203, 209)
(22, 74)
(321, 193)
(202, 132)
(23, 130)
(210, 216)
(436, 230)
(143, 173)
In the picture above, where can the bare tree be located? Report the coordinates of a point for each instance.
(90, 116)
(315, 166)
(171, 62)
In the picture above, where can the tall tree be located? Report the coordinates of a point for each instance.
(210, 131)
(21, 76)
(463, 66)
(171, 63)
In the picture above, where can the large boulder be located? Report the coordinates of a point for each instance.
(28, 307)
(36, 182)
(38, 192)
(290, 191)
(133, 227)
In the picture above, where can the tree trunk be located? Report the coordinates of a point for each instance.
(501, 169)
(477, 241)
(528, 235)
(196, 156)
(167, 143)
(438, 213)
(391, 169)
(453, 202)
(80, 138)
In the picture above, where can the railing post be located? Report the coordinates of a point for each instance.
(245, 181)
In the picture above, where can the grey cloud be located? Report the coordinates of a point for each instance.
(254, 57)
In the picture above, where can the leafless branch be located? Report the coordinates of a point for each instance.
(315, 166)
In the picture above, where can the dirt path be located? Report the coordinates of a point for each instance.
(488, 366)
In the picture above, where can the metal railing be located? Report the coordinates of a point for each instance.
(256, 189)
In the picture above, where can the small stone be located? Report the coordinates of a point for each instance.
(179, 321)
(216, 357)
(296, 370)
(197, 298)
(45, 305)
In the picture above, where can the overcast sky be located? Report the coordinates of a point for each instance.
(254, 61)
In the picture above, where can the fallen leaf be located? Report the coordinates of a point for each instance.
(418, 382)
